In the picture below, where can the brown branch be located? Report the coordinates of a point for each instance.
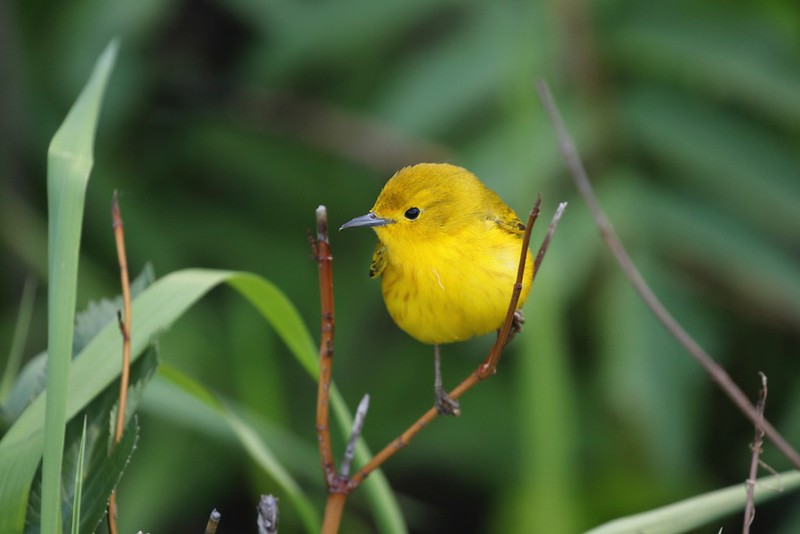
(124, 321)
(334, 507)
(756, 448)
(714, 370)
(321, 249)
(337, 486)
(484, 370)
(125, 326)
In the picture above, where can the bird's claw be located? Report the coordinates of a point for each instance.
(516, 325)
(445, 405)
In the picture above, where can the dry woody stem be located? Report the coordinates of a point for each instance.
(124, 320)
(714, 370)
(268, 515)
(322, 253)
(755, 459)
(340, 485)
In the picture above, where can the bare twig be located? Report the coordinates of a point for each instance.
(355, 434)
(321, 249)
(125, 328)
(756, 447)
(268, 515)
(714, 370)
(213, 522)
(337, 486)
(551, 230)
(125, 321)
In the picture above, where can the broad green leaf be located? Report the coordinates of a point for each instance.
(88, 323)
(154, 311)
(69, 162)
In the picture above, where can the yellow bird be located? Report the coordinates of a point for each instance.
(448, 253)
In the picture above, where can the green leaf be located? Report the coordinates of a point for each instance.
(88, 323)
(153, 312)
(701, 510)
(69, 162)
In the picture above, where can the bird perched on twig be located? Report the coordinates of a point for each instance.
(448, 253)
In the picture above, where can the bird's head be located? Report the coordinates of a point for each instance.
(424, 202)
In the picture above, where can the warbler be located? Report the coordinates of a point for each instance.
(448, 253)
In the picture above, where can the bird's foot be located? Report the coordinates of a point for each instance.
(445, 405)
(516, 325)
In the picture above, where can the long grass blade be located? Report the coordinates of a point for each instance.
(702, 509)
(76, 503)
(69, 163)
(18, 341)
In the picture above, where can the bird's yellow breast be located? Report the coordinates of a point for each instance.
(453, 287)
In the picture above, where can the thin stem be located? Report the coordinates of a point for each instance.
(756, 447)
(551, 230)
(338, 487)
(321, 248)
(714, 370)
(125, 329)
(355, 434)
(334, 507)
(125, 323)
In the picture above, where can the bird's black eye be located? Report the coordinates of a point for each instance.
(412, 213)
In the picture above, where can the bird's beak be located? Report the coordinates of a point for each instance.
(370, 219)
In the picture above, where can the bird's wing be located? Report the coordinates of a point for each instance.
(378, 260)
(507, 220)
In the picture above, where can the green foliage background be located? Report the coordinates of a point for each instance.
(227, 123)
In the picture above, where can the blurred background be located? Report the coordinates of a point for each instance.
(227, 123)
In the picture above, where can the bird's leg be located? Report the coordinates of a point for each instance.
(444, 404)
